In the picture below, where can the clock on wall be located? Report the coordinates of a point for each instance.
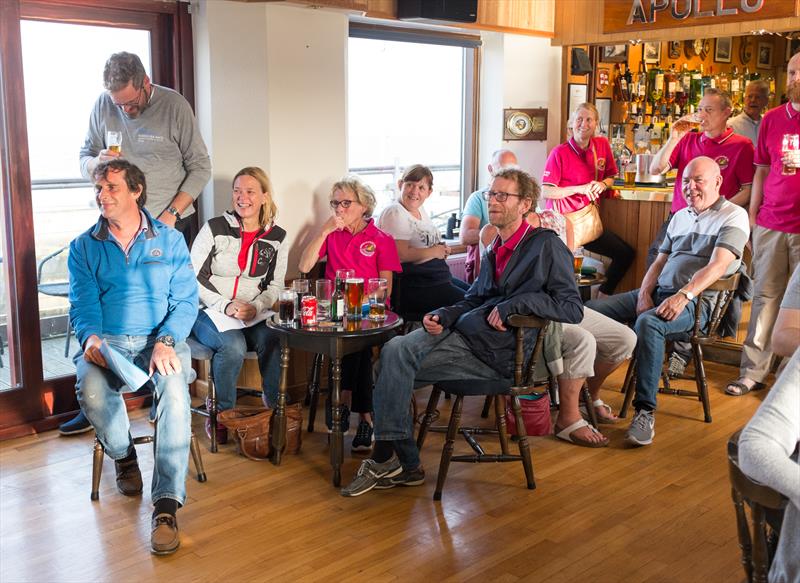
(698, 47)
(525, 124)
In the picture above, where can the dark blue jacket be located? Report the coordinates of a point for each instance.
(538, 281)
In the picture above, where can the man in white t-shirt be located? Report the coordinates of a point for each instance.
(756, 98)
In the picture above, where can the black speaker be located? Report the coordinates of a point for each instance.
(580, 62)
(453, 10)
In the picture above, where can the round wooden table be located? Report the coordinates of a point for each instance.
(334, 341)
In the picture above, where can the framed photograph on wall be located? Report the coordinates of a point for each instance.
(764, 55)
(577, 94)
(604, 109)
(652, 52)
(792, 47)
(723, 49)
(614, 54)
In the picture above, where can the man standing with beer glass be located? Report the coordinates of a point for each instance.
(350, 240)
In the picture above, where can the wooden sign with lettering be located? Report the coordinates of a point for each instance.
(623, 15)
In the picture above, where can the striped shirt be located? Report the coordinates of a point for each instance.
(691, 239)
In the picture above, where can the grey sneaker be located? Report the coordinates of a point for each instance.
(369, 473)
(642, 429)
(415, 477)
(677, 365)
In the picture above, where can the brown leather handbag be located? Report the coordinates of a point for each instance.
(586, 223)
(252, 429)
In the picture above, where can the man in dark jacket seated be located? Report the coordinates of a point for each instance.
(528, 271)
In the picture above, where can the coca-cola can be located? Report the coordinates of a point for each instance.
(308, 311)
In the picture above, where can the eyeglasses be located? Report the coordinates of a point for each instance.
(343, 203)
(132, 102)
(498, 196)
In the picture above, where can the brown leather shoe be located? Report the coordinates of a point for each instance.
(164, 539)
(129, 478)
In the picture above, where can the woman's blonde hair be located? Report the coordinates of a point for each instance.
(363, 193)
(268, 210)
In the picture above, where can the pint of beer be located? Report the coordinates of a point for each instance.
(114, 141)
(353, 294)
(377, 288)
(577, 262)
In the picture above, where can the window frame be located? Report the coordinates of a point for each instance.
(470, 89)
(37, 404)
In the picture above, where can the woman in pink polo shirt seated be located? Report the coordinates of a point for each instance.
(579, 172)
(350, 240)
(426, 283)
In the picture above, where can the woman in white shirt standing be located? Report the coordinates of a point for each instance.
(426, 283)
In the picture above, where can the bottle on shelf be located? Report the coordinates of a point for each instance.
(724, 83)
(656, 84)
(707, 81)
(696, 88)
(737, 87)
(670, 84)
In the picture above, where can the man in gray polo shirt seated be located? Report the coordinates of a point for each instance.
(704, 242)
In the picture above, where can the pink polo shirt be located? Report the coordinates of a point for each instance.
(732, 152)
(503, 251)
(368, 252)
(570, 165)
(780, 206)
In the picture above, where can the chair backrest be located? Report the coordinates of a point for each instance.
(521, 323)
(41, 264)
(725, 289)
(757, 548)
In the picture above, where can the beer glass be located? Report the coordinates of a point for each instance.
(577, 262)
(353, 296)
(300, 287)
(286, 301)
(114, 141)
(377, 288)
(324, 293)
(630, 174)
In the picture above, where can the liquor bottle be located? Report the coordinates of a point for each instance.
(714, 83)
(656, 84)
(736, 87)
(724, 82)
(696, 88)
(641, 84)
(670, 84)
(707, 81)
(619, 93)
(337, 302)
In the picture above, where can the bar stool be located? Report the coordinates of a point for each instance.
(202, 353)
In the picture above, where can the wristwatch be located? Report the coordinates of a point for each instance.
(173, 211)
(689, 295)
(166, 340)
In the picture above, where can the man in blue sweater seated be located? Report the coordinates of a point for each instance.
(133, 288)
(526, 271)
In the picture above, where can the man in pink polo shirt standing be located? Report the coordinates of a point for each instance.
(732, 152)
(775, 214)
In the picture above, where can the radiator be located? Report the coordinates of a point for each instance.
(456, 264)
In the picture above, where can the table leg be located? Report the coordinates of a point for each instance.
(279, 418)
(337, 439)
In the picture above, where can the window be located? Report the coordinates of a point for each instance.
(411, 100)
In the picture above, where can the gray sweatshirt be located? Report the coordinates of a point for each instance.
(164, 142)
(765, 454)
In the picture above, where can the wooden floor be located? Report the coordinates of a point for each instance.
(660, 513)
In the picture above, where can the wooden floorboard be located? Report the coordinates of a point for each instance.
(655, 514)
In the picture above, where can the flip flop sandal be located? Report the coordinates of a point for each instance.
(598, 403)
(743, 388)
(566, 435)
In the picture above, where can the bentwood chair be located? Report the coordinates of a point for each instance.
(720, 295)
(523, 383)
(97, 461)
(766, 514)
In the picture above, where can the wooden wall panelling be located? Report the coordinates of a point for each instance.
(581, 22)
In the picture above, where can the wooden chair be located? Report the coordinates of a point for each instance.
(523, 383)
(202, 353)
(725, 289)
(766, 513)
(97, 461)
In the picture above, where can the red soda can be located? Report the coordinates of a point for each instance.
(308, 311)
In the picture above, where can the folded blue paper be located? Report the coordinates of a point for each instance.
(128, 372)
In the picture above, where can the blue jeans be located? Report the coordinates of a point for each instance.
(652, 333)
(100, 395)
(413, 360)
(229, 349)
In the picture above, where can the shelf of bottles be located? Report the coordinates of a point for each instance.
(648, 100)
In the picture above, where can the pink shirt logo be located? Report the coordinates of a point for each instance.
(367, 248)
(723, 162)
(601, 163)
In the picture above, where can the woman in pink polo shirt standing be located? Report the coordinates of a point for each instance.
(350, 240)
(580, 172)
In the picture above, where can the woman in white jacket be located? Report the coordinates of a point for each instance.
(240, 262)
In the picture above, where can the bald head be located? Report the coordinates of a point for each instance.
(700, 181)
(502, 159)
(793, 80)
